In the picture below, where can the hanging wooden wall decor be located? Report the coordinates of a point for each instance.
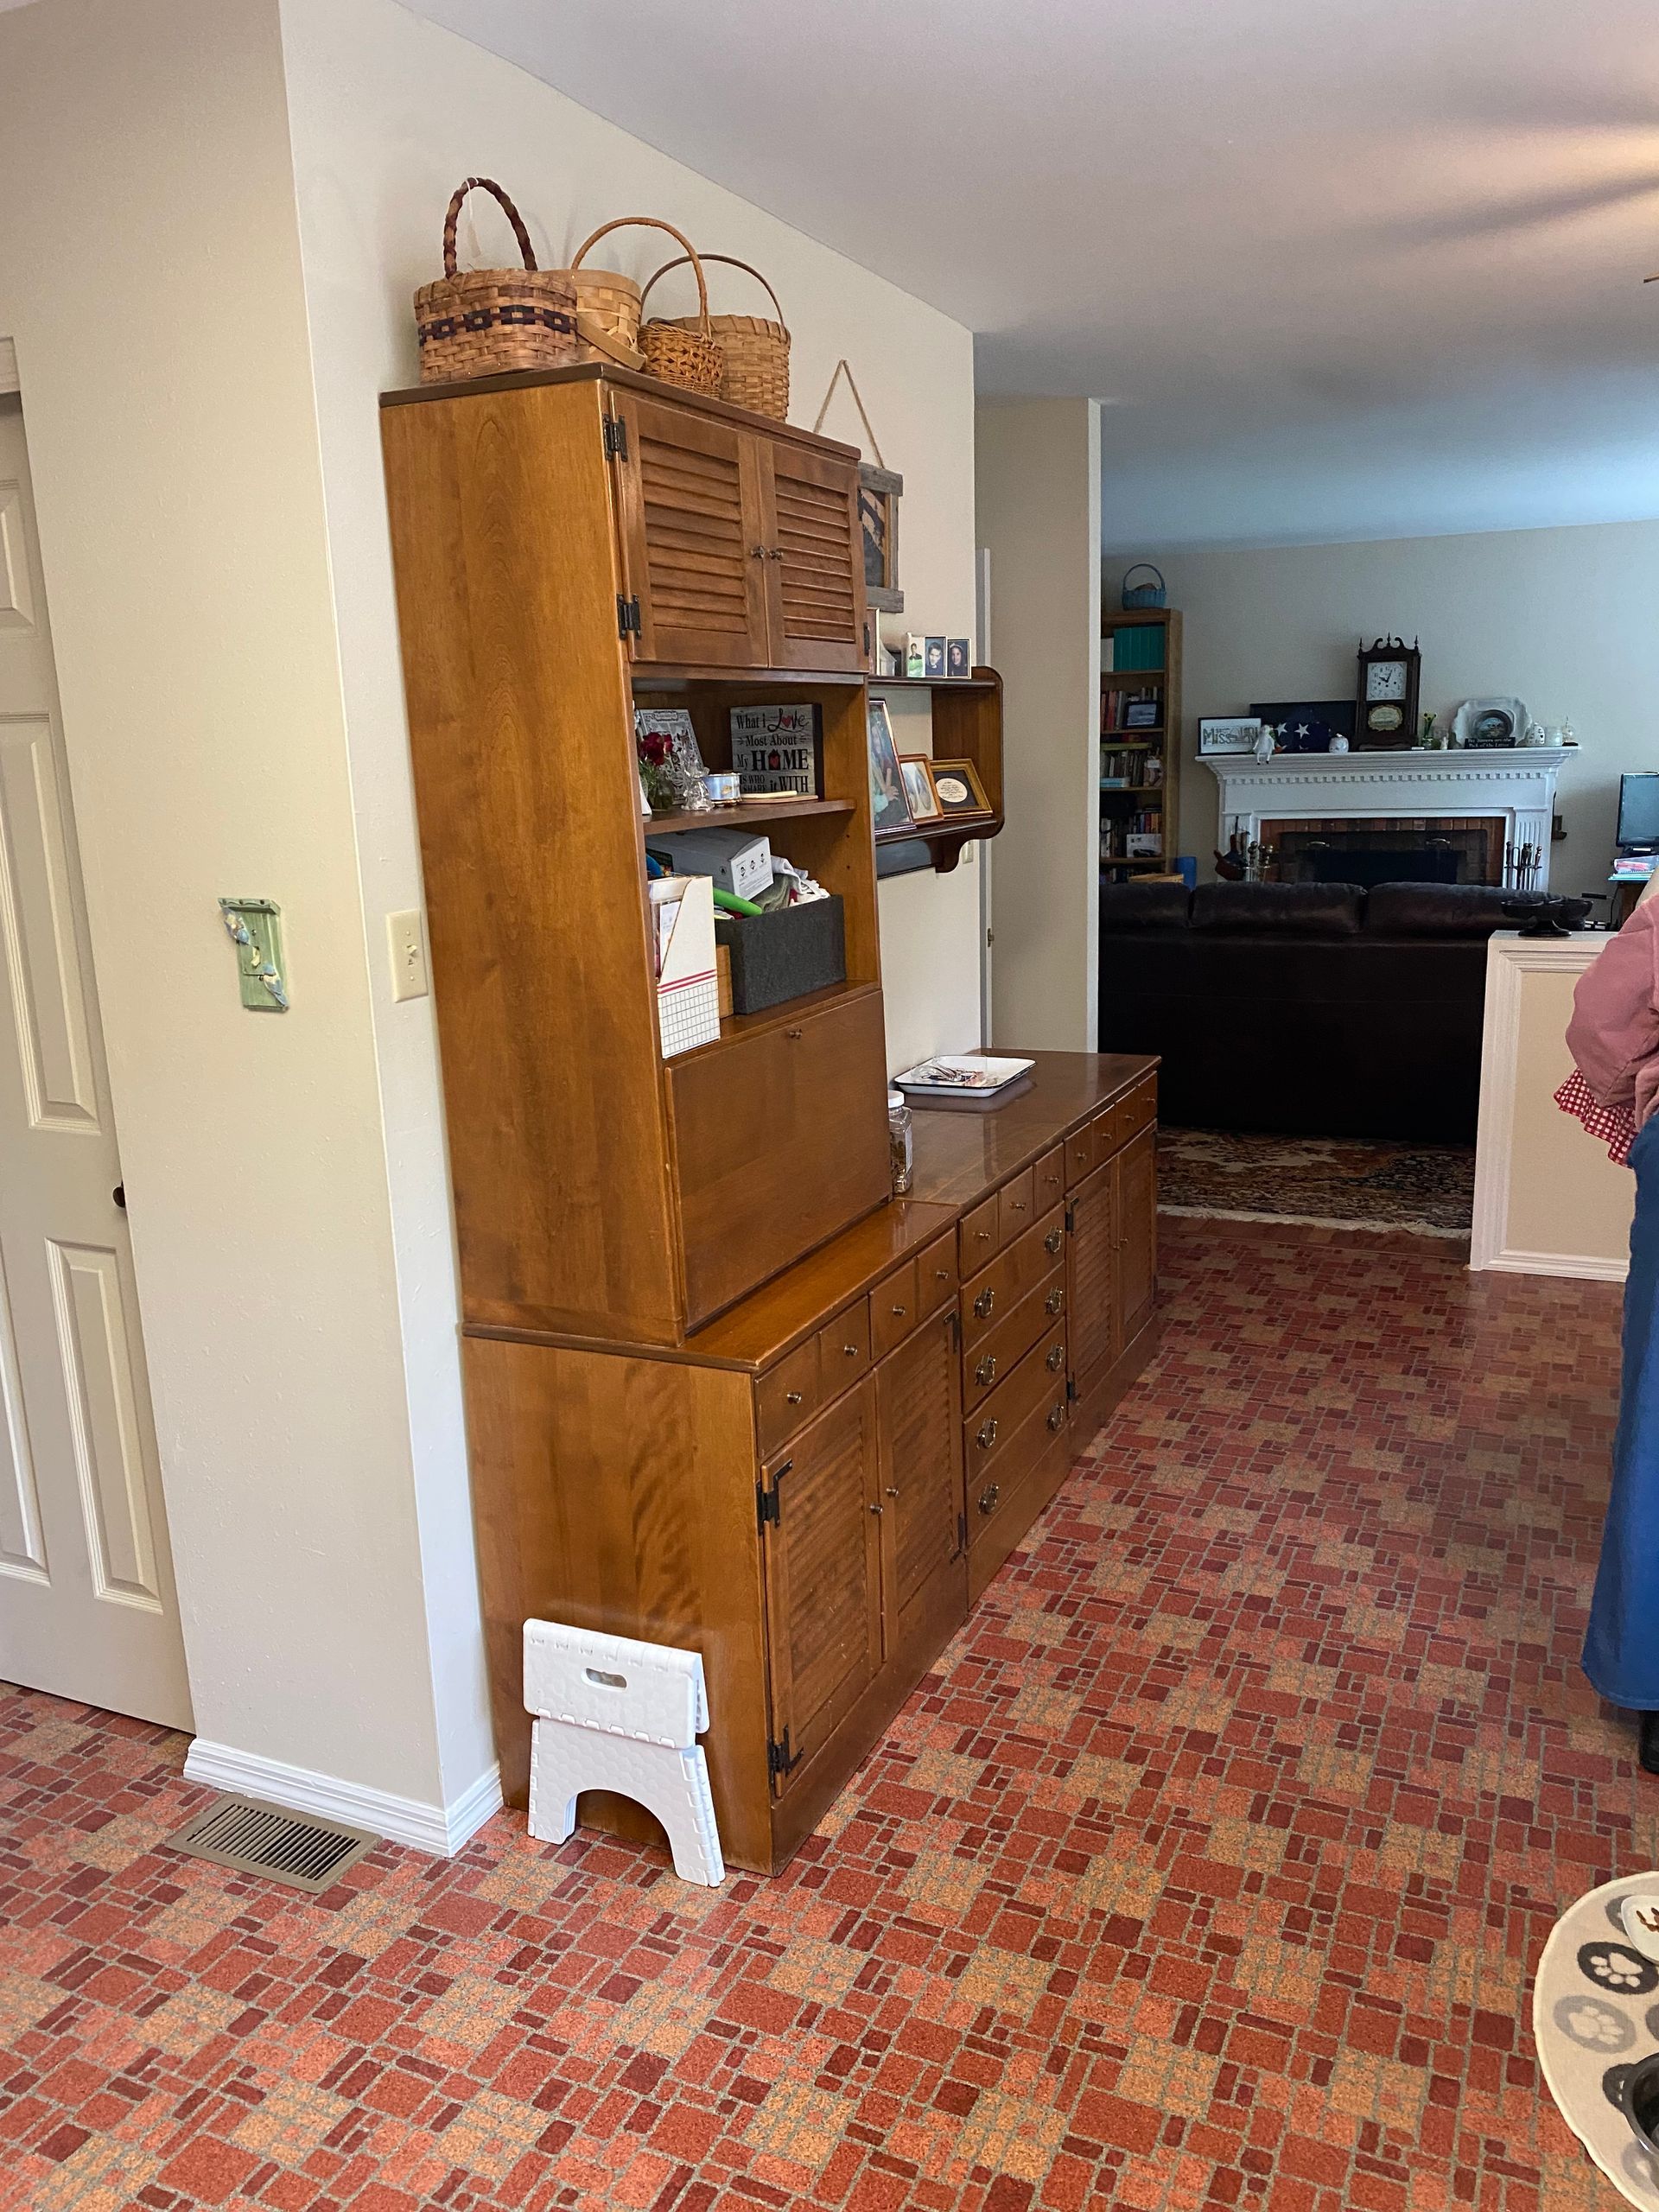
(879, 491)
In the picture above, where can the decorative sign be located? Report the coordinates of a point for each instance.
(778, 748)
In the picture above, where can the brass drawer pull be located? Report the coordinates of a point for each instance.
(986, 1371)
(941, 1274)
(1057, 1419)
(1055, 1359)
(1055, 1300)
(793, 1033)
(876, 1510)
(988, 1498)
(791, 1397)
(892, 1490)
(1020, 1205)
(899, 1313)
(984, 1302)
(852, 1350)
(981, 1235)
(987, 1435)
(1053, 1241)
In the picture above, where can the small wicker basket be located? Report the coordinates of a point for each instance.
(754, 370)
(610, 306)
(482, 322)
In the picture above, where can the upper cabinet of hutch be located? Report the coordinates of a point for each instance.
(739, 546)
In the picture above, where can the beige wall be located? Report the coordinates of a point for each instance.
(150, 272)
(1562, 618)
(1038, 509)
(388, 114)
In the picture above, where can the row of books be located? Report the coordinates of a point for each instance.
(1127, 710)
(1147, 821)
(1123, 767)
(1127, 651)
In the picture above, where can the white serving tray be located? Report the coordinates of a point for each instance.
(928, 1078)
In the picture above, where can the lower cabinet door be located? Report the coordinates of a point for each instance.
(918, 1425)
(822, 1540)
(1137, 1234)
(1092, 1273)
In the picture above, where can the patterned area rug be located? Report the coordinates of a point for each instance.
(1328, 1182)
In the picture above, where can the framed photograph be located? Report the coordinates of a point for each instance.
(1228, 733)
(935, 655)
(917, 772)
(889, 808)
(1142, 844)
(878, 524)
(1141, 713)
(779, 748)
(957, 788)
(958, 660)
(915, 655)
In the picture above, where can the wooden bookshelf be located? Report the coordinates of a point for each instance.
(1145, 796)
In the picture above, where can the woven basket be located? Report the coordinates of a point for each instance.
(481, 322)
(610, 303)
(755, 353)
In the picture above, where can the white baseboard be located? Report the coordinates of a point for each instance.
(439, 1829)
(1582, 1267)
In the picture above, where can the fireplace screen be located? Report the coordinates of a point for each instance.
(1429, 849)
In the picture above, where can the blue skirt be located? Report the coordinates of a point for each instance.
(1621, 1648)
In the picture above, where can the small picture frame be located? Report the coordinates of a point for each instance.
(917, 772)
(889, 808)
(957, 788)
(1141, 713)
(957, 658)
(935, 657)
(915, 655)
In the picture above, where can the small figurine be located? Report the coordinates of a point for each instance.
(1263, 747)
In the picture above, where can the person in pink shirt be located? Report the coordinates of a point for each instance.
(1614, 1039)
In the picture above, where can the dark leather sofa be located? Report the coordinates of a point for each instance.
(1312, 1010)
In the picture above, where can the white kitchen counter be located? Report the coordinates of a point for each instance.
(1548, 1199)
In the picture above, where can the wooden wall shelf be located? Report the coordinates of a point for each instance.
(751, 810)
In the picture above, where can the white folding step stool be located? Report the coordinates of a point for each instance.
(611, 1713)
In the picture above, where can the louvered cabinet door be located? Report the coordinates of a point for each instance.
(693, 535)
(823, 1579)
(1136, 1168)
(1092, 1276)
(815, 577)
(918, 1420)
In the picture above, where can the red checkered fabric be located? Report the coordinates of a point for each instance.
(1614, 1126)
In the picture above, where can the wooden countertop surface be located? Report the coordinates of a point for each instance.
(961, 1154)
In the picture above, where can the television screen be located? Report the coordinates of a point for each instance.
(1638, 811)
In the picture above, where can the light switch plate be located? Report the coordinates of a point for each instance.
(255, 926)
(406, 941)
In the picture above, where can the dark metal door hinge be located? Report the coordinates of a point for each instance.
(955, 1330)
(766, 1505)
(628, 616)
(780, 1759)
(616, 438)
(1071, 1387)
(1071, 1215)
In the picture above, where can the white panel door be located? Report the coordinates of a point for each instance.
(86, 1602)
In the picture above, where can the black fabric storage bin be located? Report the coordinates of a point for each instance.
(777, 956)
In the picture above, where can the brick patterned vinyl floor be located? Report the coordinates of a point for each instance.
(1207, 1872)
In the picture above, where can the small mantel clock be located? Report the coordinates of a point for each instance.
(1385, 712)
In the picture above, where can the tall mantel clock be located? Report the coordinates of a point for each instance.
(1385, 714)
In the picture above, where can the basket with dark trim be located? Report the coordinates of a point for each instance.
(482, 322)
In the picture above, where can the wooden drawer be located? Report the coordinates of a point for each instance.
(987, 1432)
(749, 1209)
(997, 1354)
(976, 1241)
(844, 1350)
(1021, 1419)
(787, 1395)
(1016, 1207)
(935, 1273)
(996, 1290)
(1080, 1155)
(1048, 1178)
(1136, 1112)
(895, 1308)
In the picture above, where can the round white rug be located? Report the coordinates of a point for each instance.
(1595, 2013)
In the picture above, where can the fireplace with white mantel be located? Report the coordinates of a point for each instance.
(1454, 817)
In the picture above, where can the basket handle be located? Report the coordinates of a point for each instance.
(487, 184)
(655, 223)
(731, 262)
(1158, 573)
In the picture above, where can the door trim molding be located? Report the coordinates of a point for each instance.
(440, 1830)
(9, 382)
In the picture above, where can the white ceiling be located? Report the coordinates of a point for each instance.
(1343, 268)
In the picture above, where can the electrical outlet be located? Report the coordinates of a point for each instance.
(408, 942)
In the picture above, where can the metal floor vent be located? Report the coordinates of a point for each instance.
(255, 1839)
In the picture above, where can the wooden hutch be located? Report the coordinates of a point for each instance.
(723, 1391)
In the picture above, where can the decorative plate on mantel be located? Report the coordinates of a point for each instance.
(1487, 725)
